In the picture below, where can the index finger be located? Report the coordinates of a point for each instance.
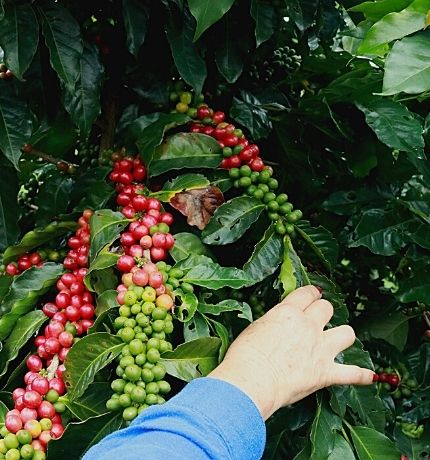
(302, 297)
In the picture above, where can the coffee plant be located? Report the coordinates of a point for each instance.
(170, 170)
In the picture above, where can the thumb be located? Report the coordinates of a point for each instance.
(343, 374)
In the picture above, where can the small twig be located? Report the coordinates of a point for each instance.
(426, 316)
(48, 158)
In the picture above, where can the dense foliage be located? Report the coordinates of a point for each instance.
(337, 194)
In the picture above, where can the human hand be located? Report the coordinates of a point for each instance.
(286, 355)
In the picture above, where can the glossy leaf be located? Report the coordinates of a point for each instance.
(136, 16)
(377, 10)
(341, 449)
(267, 256)
(38, 237)
(104, 259)
(323, 431)
(106, 308)
(231, 220)
(53, 197)
(192, 359)
(91, 354)
(415, 288)
(153, 134)
(25, 328)
(19, 37)
(9, 229)
(196, 328)
(382, 232)
(63, 39)
(15, 123)
(83, 101)
(394, 26)
(321, 241)
(224, 306)
(394, 329)
(346, 203)
(372, 445)
(394, 125)
(92, 403)
(179, 184)
(5, 282)
(105, 226)
(185, 305)
(252, 116)
(264, 15)
(187, 244)
(24, 292)
(79, 437)
(286, 275)
(207, 273)
(207, 13)
(186, 54)
(186, 150)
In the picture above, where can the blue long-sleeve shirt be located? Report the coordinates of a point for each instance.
(208, 419)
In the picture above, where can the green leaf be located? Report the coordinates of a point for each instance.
(333, 294)
(152, 135)
(180, 184)
(15, 123)
(394, 125)
(63, 39)
(103, 260)
(92, 403)
(24, 292)
(9, 215)
(288, 268)
(53, 197)
(323, 431)
(264, 16)
(186, 150)
(252, 116)
(196, 328)
(393, 329)
(186, 54)
(3, 411)
(91, 354)
(91, 189)
(394, 26)
(187, 307)
(377, 10)
(347, 203)
(415, 288)
(107, 305)
(38, 237)
(321, 241)
(223, 334)
(79, 437)
(412, 75)
(192, 359)
(382, 232)
(207, 13)
(136, 16)
(105, 226)
(224, 306)
(83, 101)
(5, 282)
(232, 50)
(24, 329)
(231, 220)
(266, 257)
(19, 37)
(187, 244)
(372, 445)
(341, 449)
(207, 273)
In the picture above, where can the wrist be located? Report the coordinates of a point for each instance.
(256, 392)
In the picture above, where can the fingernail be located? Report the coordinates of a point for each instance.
(320, 289)
(375, 378)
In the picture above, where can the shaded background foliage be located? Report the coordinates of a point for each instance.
(336, 95)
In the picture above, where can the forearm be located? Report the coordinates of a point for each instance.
(209, 419)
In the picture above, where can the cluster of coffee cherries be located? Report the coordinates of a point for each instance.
(127, 170)
(25, 261)
(398, 382)
(144, 323)
(262, 186)
(412, 430)
(5, 73)
(236, 149)
(36, 417)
